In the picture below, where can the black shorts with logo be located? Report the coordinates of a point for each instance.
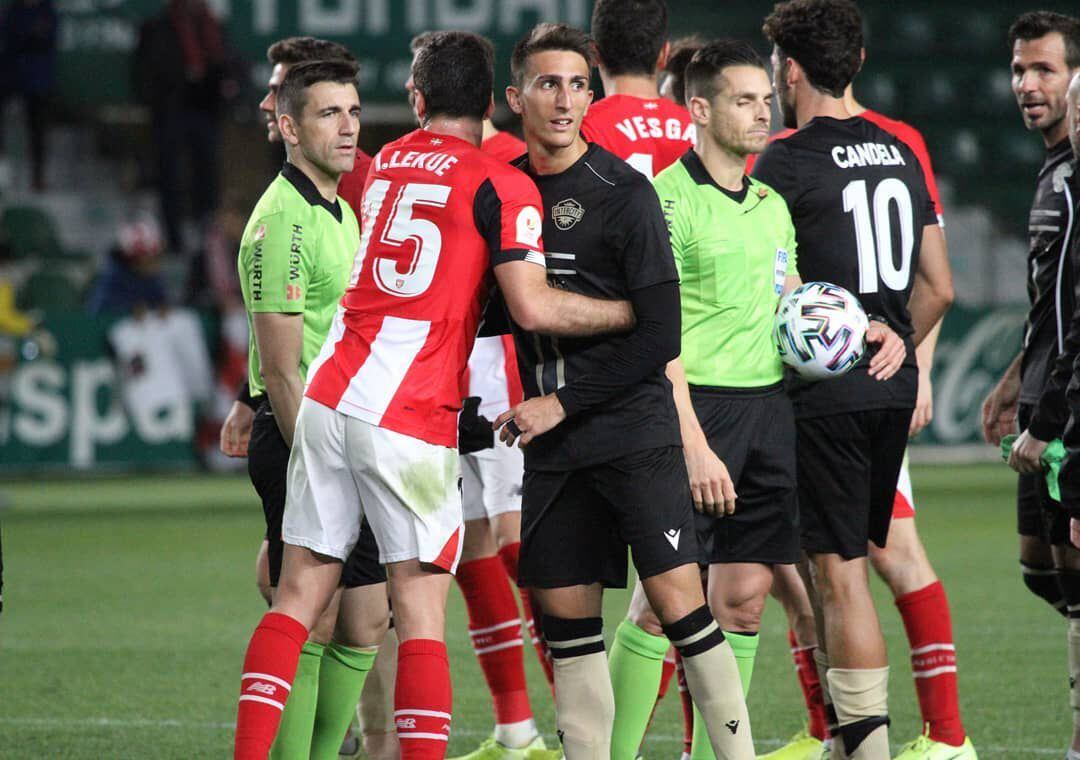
(268, 467)
(752, 430)
(576, 525)
(848, 465)
(1036, 513)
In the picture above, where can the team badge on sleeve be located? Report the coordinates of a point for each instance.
(260, 232)
(529, 227)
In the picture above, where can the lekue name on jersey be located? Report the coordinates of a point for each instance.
(866, 154)
(643, 128)
(436, 163)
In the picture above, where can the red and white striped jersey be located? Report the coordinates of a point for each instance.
(436, 214)
(493, 375)
(648, 134)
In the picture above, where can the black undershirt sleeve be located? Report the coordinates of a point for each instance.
(654, 341)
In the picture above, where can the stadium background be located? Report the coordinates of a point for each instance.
(129, 593)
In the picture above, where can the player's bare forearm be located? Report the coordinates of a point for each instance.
(689, 426)
(571, 315)
(538, 307)
(932, 293)
(924, 351)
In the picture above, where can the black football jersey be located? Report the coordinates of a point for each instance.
(859, 203)
(604, 237)
(1049, 280)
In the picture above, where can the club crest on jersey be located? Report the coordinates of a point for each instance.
(567, 213)
(260, 232)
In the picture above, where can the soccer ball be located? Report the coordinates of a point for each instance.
(820, 330)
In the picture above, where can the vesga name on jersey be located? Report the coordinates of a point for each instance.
(636, 128)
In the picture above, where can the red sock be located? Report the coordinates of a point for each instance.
(509, 556)
(269, 668)
(806, 671)
(933, 661)
(687, 706)
(495, 628)
(422, 699)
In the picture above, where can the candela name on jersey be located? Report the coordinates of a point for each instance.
(642, 128)
(436, 163)
(866, 154)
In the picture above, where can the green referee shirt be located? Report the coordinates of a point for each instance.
(733, 252)
(295, 258)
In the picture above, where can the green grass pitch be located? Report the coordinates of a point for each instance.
(129, 603)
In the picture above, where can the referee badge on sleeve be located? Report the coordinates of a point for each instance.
(780, 271)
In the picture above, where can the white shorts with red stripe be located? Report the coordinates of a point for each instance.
(904, 501)
(491, 481)
(342, 470)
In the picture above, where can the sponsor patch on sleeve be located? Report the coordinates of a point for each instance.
(529, 226)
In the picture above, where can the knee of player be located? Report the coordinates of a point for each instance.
(646, 620)
(742, 613)
(838, 582)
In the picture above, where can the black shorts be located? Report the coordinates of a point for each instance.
(753, 432)
(848, 467)
(1037, 514)
(268, 466)
(577, 524)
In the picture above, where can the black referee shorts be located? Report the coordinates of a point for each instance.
(848, 466)
(1037, 514)
(753, 432)
(576, 525)
(268, 465)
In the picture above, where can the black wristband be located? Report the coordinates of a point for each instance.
(244, 397)
(877, 318)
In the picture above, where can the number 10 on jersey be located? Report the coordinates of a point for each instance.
(874, 233)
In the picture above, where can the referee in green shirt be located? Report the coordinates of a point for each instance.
(734, 246)
(295, 259)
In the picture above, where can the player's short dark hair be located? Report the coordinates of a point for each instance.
(711, 59)
(455, 72)
(423, 38)
(544, 37)
(682, 50)
(1036, 24)
(293, 50)
(292, 97)
(629, 34)
(824, 36)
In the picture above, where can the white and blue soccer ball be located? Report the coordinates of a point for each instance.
(820, 330)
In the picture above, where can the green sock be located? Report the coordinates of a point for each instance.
(636, 662)
(744, 645)
(341, 678)
(294, 735)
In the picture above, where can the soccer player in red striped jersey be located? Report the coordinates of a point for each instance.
(491, 502)
(491, 505)
(632, 121)
(902, 564)
(376, 435)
